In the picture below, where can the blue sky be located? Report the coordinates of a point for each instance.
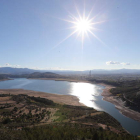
(31, 32)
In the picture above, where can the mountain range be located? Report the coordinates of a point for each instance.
(19, 71)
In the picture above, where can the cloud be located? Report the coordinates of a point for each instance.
(116, 63)
(7, 64)
(112, 62)
(17, 65)
(125, 63)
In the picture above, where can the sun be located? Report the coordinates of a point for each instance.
(83, 25)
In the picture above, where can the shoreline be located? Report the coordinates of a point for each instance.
(73, 100)
(107, 96)
(57, 98)
(119, 104)
(4, 79)
(61, 79)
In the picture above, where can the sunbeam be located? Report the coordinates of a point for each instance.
(62, 41)
(97, 38)
(83, 25)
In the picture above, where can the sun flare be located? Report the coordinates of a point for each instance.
(83, 25)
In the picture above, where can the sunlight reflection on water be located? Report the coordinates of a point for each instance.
(86, 93)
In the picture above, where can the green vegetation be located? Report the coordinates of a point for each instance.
(40, 119)
(63, 131)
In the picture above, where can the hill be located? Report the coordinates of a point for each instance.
(44, 75)
(3, 77)
(17, 71)
(127, 88)
(40, 118)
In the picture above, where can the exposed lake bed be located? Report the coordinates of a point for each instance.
(88, 94)
(119, 104)
(61, 99)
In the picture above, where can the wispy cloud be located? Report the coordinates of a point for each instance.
(125, 63)
(7, 64)
(112, 62)
(16, 66)
(116, 63)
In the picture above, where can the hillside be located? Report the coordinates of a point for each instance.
(44, 75)
(127, 88)
(40, 118)
(32, 75)
(3, 77)
(129, 91)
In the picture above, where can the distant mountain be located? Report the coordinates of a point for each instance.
(23, 71)
(16, 71)
(44, 75)
(117, 71)
(97, 71)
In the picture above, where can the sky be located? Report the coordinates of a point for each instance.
(36, 34)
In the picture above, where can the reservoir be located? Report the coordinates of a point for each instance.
(88, 94)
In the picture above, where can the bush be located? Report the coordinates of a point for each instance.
(6, 121)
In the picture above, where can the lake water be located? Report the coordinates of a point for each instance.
(88, 94)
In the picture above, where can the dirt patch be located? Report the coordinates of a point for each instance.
(62, 99)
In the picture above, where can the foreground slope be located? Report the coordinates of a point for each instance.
(40, 118)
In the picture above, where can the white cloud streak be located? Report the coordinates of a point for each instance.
(7, 64)
(116, 63)
(125, 63)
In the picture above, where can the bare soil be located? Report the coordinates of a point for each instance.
(62, 99)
